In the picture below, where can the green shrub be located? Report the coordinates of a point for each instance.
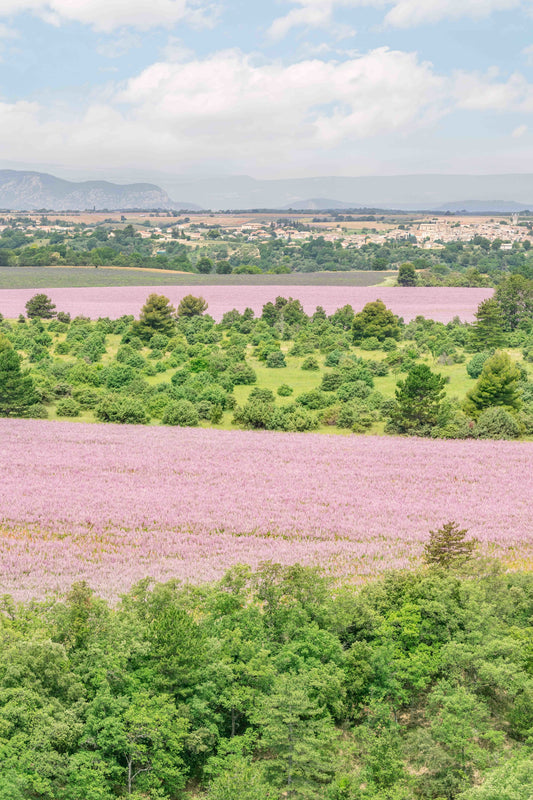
(119, 375)
(285, 390)
(36, 411)
(497, 423)
(370, 343)
(331, 381)
(68, 407)
(182, 413)
(311, 364)
(264, 395)
(122, 410)
(62, 348)
(276, 360)
(476, 364)
(313, 399)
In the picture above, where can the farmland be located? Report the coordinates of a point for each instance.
(113, 504)
(440, 304)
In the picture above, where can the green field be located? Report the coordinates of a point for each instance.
(57, 277)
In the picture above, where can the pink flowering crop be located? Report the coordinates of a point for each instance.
(441, 304)
(112, 504)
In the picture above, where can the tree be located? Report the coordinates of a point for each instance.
(223, 268)
(299, 734)
(418, 400)
(157, 316)
(515, 298)
(448, 546)
(407, 275)
(488, 330)
(375, 320)
(204, 265)
(496, 386)
(17, 391)
(40, 306)
(191, 306)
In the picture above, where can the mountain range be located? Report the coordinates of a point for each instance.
(28, 190)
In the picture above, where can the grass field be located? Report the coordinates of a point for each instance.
(57, 277)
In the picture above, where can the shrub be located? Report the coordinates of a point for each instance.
(276, 360)
(87, 398)
(285, 390)
(313, 399)
(122, 410)
(476, 364)
(36, 411)
(293, 419)
(311, 364)
(63, 316)
(241, 373)
(68, 407)
(333, 357)
(62, 348)
(216, 414)
(159, 342)
(119, 375)
(497, 423)
(331, 381)
(264, 395)
(370, 343)
(182, 413)
(352, 390)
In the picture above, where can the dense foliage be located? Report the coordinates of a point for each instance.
(360, 372)
(273, 684)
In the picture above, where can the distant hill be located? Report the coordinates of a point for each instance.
(402, 192)
(27, 191)
(319, 204)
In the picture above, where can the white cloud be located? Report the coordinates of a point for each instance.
(486, 92)
(403, 14)
(519, 132)
(232, 111)
(408, 13)
(108, 15)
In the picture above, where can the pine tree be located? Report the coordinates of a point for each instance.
(448, 546)
(488, 331)
(418, 400)
(17, 392)
(157, 316)
(496, 386)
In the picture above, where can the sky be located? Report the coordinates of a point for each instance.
(139, 89)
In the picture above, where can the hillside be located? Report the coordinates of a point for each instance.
(26, 191)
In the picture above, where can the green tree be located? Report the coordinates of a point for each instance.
(40, 306)
(407, 275)
(191, 306)
(488, 330)
(448, 546)
(157, 316)
(17, 392)
(496, 386)
(418, 401)
(204, 265)
(515, 298)
(375, 320)
(299, 734)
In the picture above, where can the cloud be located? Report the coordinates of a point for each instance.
(486, 92)
(231, 111)
(108, 15)
(403, 14)
(519, 132)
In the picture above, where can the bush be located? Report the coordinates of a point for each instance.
(293, 419)
(241, 373)
(352, 390)
(119, 375)
(62, 348)
(311, 364)
(122, 410)
(378, 368)
(36, 411)
(182, 413)
(370, 343)
(264, 395)
(476, 364)
(331, 381)
(87, 398)
(68, 407)
(276, 360)
(314, 399)
(497, 423)
(285, 390)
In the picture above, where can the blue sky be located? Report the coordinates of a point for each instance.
(136, 89)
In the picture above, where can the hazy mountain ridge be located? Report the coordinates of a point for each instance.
(26, 191)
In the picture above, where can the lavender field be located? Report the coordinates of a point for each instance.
(441, 304)
(113, 504)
